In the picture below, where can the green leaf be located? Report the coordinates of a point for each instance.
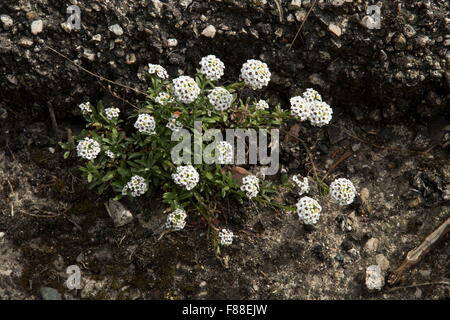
(108, 176)
(66, 154)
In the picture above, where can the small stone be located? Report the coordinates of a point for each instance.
(300, 15)
(382, 261)
(89, 54)
(295, 5)
(130, 58)
(117, 211)
(185, 3)
(335, 29)
(158, 6)
(37, 26)
(6, 20)
(48, 293)
(409, 31)
(209, 32)
(422, 41)
(116, 29)
(97, 37)
(374, 278)
(399, 42)
(172, 42)
(371, 245)
(414, 203)
(67, 27)
(2, 234)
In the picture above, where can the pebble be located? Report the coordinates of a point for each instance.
(130, 58)
(374, 278)
(97, 37)
(409, 31)
(37, 26)
(116, 29)
(209, 31)
(399, 42)
(172, 42)
(6, 20)
(335, 29)
(371, 245)
(295, 5)
(120, 215)
(89, 54)
(2, 234)
(48, 293)
(25, 42)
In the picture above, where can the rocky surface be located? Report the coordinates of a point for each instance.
(401, 68)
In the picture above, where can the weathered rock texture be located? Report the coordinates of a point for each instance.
(398, 69)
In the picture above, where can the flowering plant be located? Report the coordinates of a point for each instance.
(133, 156)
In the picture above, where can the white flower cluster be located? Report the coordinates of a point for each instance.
(308, 210)
(136, 186)
(88, 149)
(185, 89)
(212, 67)
(226, 237)
(173, 124)
(163, 98)
(176, 220)
(220, 98)
(302, 184)
(112, 113)
(224, 152)
(110, 154)
(342, 191)
(311, 107)
(145, 123)
(255, 73)
(262, 105)
(85, 108)
(250, 185)
(186, 176)
(160, 71)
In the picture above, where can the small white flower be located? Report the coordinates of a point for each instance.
(311, 95)
(300, 108)
(160, 71)
(342, 191)
(226, 237)
(85, 108)
(212, 67)
(262, 105)
(302, 184)
(255, 73)
(145, 123)
(88, 149)
(224, 152)
(164, 98)
(250, 185)
(185, 89)
(137, 186)
(220, 98)
(308, 210)
(321, 113)
(110, 154)
(176, 220)
(173, 124)
(112, 113)
(186, 176)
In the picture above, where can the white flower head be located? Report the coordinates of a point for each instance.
(176, 220)
(342, 191)
(164, 98)
(136, 186)
(255, 73)
(226, 237)
(321, 113)
(224, 152)
(186, 176)
(311, 95)
(250, 185)
(112, 113)
(110, 154)
(173, 124)
(262, 105)
(88, 149)
(220, 98)
(185, 89)
(300, 108)
(212, 67)
(160, 71)
(302, 184)
(145, 123)
(308, 210)
(85, 108)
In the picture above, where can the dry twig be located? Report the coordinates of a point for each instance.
(414, 256)
(301, 26)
